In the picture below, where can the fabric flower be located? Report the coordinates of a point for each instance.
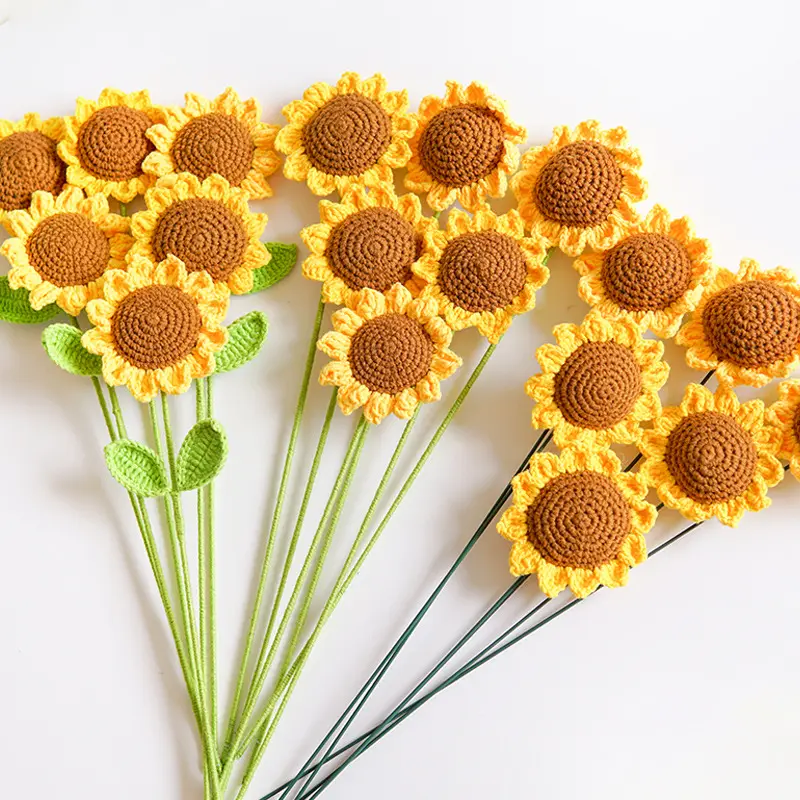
(785, 414)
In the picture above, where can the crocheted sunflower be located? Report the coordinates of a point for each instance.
(785, 414)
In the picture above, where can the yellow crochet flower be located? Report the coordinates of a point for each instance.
(578, 191)
(598, 383)
(785, 414)
(482, 271)
(157, 327)
(353, 133)
(655, 273)
(577, 520)
(207, 225)
(369, 240)
(464, 149)
(746, 326)
(712, 456)
(104, 144)
(63, 246)
(223, 136)
(29, 160)
(389, 353)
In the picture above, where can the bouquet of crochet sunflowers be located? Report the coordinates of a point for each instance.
(140, 300)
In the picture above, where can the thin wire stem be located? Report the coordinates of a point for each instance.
(212, 580)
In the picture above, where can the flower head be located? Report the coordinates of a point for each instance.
(785, 415)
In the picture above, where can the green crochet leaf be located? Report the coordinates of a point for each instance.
(202, 455)
(136, 467)
(62, 343)
(15, 306)
(246, 336)
(284, 257)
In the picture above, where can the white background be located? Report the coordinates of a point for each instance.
(683, 685)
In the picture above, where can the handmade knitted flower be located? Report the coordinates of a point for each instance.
(598, 383)
(578, 191)
(464, 148)
(389, 352)
(746, 326)
(223, 136)
(577, 520)
(157, 326)
(63, 246)
(482, 271)
(785, 414)
(352, 133)
(712, 456)
(104, 144)
(29, 160)
(369, 240)
(207, 225)
(654, 274)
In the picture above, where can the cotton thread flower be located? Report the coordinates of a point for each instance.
(785, 415)
(577, 520)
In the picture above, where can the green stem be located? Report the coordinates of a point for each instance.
(273, 529)
(212, 583)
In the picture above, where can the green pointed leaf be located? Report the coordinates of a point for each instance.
(284, 257)
(62, 343)
(202, 455)
(245, 338)
(136, 467)
(15, 306)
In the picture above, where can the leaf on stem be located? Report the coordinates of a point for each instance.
(283, 257)
(202, 455)
(62, 343)
(136, 467)
(15, 306)
(246, 336)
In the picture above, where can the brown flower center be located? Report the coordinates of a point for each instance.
(156, 326)
(202, 233)
(598, 385)
(461, 145)
(711, 457)
(797, 424)
(68, 250)
(646, 272)
(482, 271)
(112, 144)
(579, 520)
(580, 185)
(753, 324)
(390, 353)
(28, 163)
(347, 136)
(214, 143)
(373, 248)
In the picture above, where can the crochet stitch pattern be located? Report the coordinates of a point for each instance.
(29, 162)
(785, 414)
(214, 143)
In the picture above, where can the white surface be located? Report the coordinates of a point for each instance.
(684, 685)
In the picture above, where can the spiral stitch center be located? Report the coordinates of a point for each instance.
(391, 353)
(461, 145)
(580, 185)
(204, 234)
(214, 143)
(711, 457)
(753, 324)
(28, 163)
(579, 520)
(797, 425)
(112, 144)
(347, 136)
(482, 271)
(156, 326)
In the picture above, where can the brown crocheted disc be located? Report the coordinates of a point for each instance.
(598, 385)
(390, 353)
(156, 326)
(797, 424)
(646, 272)
(214, 143)
(753, 324)
(112, 144)
(28, 163)
(711, 457)
(579, 520)
(580, 185)
(68, 250)
(372, 248)
(482, 271)
(461, 145)
(202, 233)
(347, 136)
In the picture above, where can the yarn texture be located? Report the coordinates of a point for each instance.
(785, 415)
